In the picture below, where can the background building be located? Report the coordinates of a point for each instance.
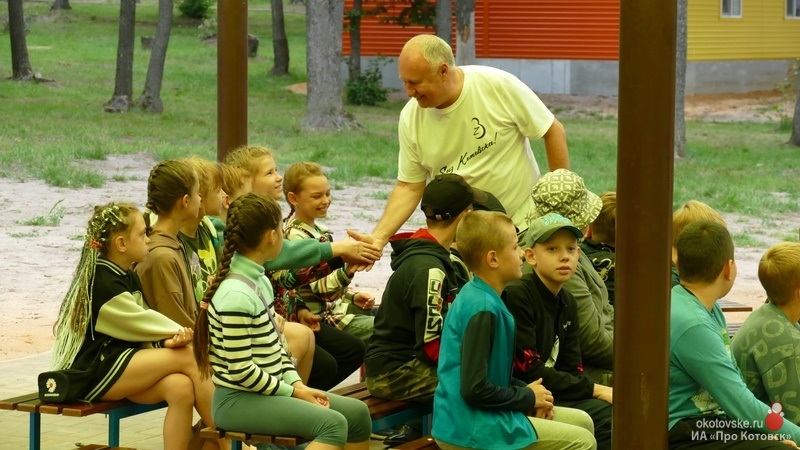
(563, 47)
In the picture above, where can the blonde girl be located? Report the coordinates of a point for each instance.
(173, 193)
(105, 326)
(308, 194)
(198, 235)
(302, 262)
(239, 343)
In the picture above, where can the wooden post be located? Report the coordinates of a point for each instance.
(644, 222)
(231, 76)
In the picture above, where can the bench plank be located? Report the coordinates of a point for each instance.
(731, 306)
(31, 406)
(11, 403)
(87, 409)
(116, 410)
(733, 328)
(347, 391)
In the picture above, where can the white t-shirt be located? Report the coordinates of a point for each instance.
(483, 137)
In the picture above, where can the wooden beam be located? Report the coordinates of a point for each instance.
(231, 76)
(644, 222)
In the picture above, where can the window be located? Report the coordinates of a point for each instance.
(733, 8)
(793, 8)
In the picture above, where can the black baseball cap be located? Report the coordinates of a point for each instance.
(446, 196)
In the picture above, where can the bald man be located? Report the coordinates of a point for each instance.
(475, 121)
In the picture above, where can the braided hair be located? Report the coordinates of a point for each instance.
(294, 177)
(75, 312)
(249, 218)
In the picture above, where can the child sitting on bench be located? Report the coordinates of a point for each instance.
(767, 346)
(477, 403)
(709, 404)
(105, 325)
(239, 343)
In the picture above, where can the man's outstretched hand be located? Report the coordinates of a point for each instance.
(372, 241)
(357, 252)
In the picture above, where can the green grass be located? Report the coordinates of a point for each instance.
(54, 131)
(747, 240)
(51, 219)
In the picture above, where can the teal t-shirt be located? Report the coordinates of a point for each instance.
(703, 379)
(456, 421)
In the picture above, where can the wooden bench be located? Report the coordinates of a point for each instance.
(423, 443)
(384, 413)
(237, 438)
(733, 328)
(731, 306)
(115, 410)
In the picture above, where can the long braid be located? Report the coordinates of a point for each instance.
(75, 312)
(201, 334)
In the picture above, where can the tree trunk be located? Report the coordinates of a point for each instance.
(795, 139)
(444, 19)
(123, 86)
(680, 83)
(60, 5)
(465, 32)
(280, 45)
(20, 61)
(150, 100)
(325, 110)
(354, 63)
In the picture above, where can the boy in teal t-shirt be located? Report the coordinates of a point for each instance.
(767, 346)
(477, 404)
(709, 404)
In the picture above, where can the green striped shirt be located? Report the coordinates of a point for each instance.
(246, 352)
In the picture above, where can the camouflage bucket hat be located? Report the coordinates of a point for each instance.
(563, 192)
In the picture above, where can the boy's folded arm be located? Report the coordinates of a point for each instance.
(476, 348)
(704, 357)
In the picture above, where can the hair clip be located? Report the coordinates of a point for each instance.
(95, 244)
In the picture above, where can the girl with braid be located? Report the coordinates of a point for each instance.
(307, 261)
(239, 343)
(105, 326)
(173, 194)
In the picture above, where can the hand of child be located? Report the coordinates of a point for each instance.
(603, 393)
(355, 252)
(364, 300)
(311, 395)
(544, 398)
(543, 413)
(790, 443)
(309, 319)
(181, 339)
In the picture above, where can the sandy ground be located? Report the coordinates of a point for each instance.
(41, 259)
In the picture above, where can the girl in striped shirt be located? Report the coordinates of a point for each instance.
(238, 341)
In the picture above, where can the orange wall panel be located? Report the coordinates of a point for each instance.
(519, 29)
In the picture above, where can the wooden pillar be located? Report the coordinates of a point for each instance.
(644, 222)
(231, 76)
